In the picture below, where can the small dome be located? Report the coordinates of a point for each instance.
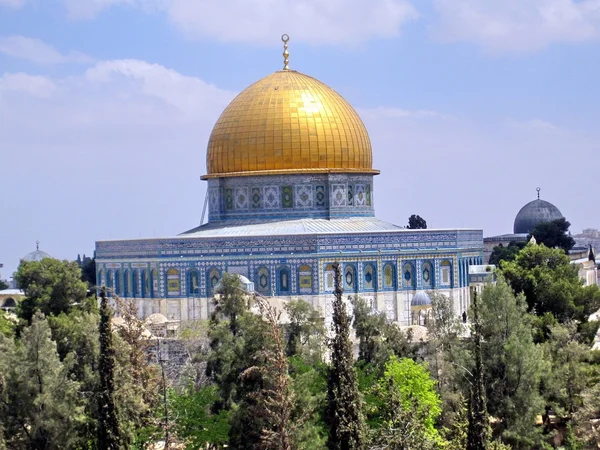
(37, 255)
(421, 299)
(288, 122)
(156, 319)
(534, 213)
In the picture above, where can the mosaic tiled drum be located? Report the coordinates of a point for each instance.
(290, 192)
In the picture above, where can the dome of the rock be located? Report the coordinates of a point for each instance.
(285, 123)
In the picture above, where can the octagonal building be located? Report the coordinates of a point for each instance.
(290, 191)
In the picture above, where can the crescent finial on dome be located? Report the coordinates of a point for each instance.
(285, 38)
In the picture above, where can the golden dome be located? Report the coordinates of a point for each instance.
(288, 123)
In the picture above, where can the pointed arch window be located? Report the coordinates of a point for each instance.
(305, 281)
(350, 278)
(145, 283)
(214, 276)
(370, 280)
(154, 283)
(135, 283)
(388, 276)
(117, 289)
(173, 282)
(263, 284)
(284, 280)
(193, 282)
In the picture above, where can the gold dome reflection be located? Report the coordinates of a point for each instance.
(288, 122)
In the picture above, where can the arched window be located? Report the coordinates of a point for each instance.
(305, 280)
(214, 276)
(262, 280)
(388, 276)
(408, 276)
(446, 269)
(154, 283)
(126, 290)
(427, 274)
(9, 303)
(117, 289)
(173, 283)
(193, 282)
(110, 280)
(349, 279)
(329, 277)
(284, 280)
(370, 280)
(145, 283)
(101, 280)
(135, 283)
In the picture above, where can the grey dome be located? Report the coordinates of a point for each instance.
(37, 255)
(534, 213)
(421, 299)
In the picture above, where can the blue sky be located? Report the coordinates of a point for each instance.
(106, 107)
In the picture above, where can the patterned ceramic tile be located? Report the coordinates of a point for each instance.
(304, 196)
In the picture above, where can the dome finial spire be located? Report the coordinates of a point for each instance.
(285, 38)
(37, 245)
(538, 191)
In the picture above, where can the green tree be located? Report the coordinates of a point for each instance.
(3, 285)
(554, 234)
(509, 253)
(513, 364)
(571, 373)
(109, 429)
(193, 422)
(416, 222)
(305, 330)
(51, 287)
(369, 328)
(343, 416)
(551, 284)
(39, 403)
(7, 326)
(408, 407)
(88, 270)
(478, 430)
(274, 400)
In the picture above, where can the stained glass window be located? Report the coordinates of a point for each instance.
(369, 275)
(284, 280)
(388, 276)
(193, 282)
(305, 278)
(349, 278)
(173, 283)
(263, 280)
(446, 270)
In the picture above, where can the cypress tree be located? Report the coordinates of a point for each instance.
(344, 416)
(478, 430)
(109, 430)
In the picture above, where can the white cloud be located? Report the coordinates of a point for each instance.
(115, 151)
(33, 85)
(517, 25)
(263, 21)
(12, 3)
(533, 124)
(88, 9)
(37, 51)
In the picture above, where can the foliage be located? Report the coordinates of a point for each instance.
(7, 326)
(51, 286)
(478, 431)
(305, 330)
(343, 415)
(571, 373)
(273, 401)
(416, 222)
(501, 253)
(513, 364)
(309, 382)
(193, 421)
(109, 428)
(39, 403)
(88, 269)
(551, 284)
(554, 234)
(3, 285)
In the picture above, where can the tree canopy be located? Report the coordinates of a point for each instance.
(554, 234)
(50, 286)
(416, 222)
(505, 253)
